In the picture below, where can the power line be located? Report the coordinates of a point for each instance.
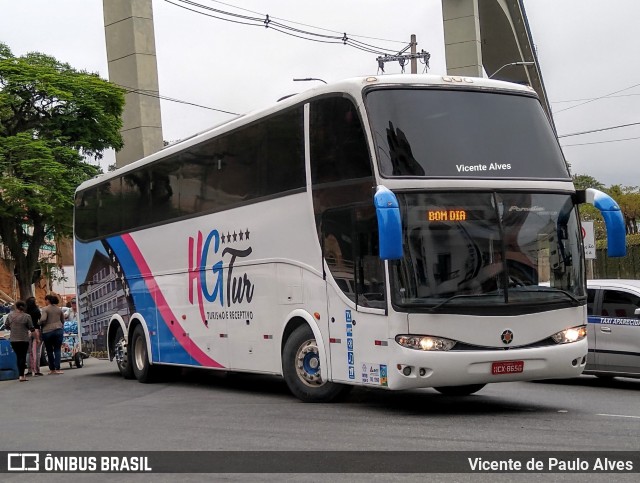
(307, 25)
(595, 99)
(269, 22)
(599, 142)
(172, 99)
(592, 98)
(598, 130)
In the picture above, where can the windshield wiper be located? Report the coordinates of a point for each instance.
(463, 296)
(569, 295)
(573, 298)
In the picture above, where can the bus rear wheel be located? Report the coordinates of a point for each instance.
(302, 371)
(142, 368)
(121, 355)
(459, 390)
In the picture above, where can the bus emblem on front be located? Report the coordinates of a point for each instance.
(507, 336)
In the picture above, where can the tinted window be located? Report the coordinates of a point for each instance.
(455, 133)
(350, 248)
(338, 144)
(263, 159)
(86, 209)
(591, 301)
(505, 252)
(164, 190)
(343, 183)
(616, 303)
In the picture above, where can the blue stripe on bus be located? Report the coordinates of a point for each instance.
(163, 347)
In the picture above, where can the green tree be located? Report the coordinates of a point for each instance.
(587, 211)
(628, 197)
(584, 181)
(52, 117)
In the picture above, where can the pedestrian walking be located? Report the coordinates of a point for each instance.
(52, 326)
(20, 324)
(35, 340)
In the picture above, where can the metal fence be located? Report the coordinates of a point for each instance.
(624, 267)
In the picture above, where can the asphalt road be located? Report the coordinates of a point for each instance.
(93, 408)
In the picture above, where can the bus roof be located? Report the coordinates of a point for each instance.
(352, 85)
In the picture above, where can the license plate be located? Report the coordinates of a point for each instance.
(507, 367)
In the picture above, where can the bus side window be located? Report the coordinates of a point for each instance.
(369, 268)
(342, 184)
(350, 248)
(110, 203)
(86, 217)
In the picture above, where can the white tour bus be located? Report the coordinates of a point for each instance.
(398, 231)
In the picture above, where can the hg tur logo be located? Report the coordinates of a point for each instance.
(23, 462)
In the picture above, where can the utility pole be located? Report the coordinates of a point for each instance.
(414, 62)
(402, 58)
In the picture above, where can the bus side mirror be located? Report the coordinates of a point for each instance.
(389, 224)
(613, 220)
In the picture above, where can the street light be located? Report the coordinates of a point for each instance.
(508, 65)
(310, 79)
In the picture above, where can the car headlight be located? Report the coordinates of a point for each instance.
(425, 342)
(573, 334)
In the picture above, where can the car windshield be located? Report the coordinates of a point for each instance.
(433, 132)
(504, 252)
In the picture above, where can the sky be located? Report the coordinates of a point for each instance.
(587, 50)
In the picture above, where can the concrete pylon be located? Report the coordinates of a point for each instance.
(487, 36)
(131, 55)
(462, 38)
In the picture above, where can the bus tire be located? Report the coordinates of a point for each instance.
(459, 390)
(79, 361)
(123, 355)
(302, 372)
(139, 358)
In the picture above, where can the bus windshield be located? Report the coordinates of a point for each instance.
(430, 132)
(505, 252)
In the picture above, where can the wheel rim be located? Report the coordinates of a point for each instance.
(308, 364)
(121, 354)
(140, 353)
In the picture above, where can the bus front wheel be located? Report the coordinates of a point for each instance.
(459, 390)
(302, 371)
(142, 368)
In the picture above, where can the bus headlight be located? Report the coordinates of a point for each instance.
(573, 334)
(425, 342)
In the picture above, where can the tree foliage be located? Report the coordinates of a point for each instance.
(627, 197)
(51, 118)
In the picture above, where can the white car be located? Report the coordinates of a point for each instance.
(613, 308)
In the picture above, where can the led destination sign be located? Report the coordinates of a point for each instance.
(447, 215)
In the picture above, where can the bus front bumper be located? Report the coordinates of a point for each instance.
(418, 369)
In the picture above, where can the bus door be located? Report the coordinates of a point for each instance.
(355, 285)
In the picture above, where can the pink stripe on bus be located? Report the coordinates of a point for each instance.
(154, 290)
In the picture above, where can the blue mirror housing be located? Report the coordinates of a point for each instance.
(389, 224)
(613, 220)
